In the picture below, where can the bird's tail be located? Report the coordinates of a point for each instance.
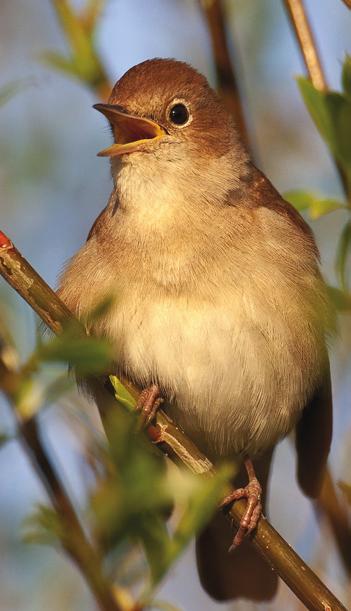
(242, 573)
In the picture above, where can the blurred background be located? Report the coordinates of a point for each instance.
(52, 188)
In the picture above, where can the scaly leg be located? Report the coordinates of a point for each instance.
(148, 403)
(252, 492)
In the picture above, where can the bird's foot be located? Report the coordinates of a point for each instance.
(252, 492)
(148, 403)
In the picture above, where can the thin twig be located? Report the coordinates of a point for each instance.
(303, 31)
(347, 3)
(291, 568)
(74, 541)
(227, 82)
(308, 47)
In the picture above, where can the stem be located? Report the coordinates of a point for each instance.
(291, 568)
(300, 23)
(76, 544)
(308, 47)
(228, 88)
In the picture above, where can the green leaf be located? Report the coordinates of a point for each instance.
(342, 255)
(9, 90)
(340, 299)
(43, 526)
(87, 354)
(28, 397)
(331, 112)
(202, 503)
(57, 388)
(83, 55)
(122, 395)
(99, 311)
(199, 503)
(315, 103)
(316, 206)
(157, 545)
(60, 63)
(346, 75)
(4, 438)
(346, 489)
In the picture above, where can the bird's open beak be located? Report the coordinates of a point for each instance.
(131, 132)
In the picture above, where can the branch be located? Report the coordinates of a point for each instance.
(304, 35)
(291, 568)
(228, 88)
(76, 544)
(303, 32)
(84, 62)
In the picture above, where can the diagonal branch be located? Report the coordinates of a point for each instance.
(303, 31)
(291, 568)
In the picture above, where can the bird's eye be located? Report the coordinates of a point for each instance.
(179, 114)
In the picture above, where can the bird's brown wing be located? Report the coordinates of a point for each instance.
(313, 438)
(96, 224)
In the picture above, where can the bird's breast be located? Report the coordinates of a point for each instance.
(237, 371)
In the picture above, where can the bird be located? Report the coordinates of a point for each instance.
(220, 305)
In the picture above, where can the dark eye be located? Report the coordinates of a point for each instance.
(179, 114)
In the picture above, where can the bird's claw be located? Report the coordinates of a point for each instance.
(252, 492)
(148, 403)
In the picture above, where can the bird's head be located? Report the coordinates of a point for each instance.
(165, 109)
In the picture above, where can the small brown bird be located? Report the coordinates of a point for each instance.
(220, 305)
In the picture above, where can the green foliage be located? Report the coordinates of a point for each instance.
(340, 299)
(346, 489)
(122, 395)
(342, 254)
(331, 113)
(8, 91)
(83, 62)
(43, 526)
(346, 76)
(87, 355)
(133, 498)
(134, 491)
(4, 438)
(314, 204)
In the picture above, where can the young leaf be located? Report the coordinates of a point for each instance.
(157, 545)
(87, 354)
(346, 489)
(340, 299)
(28, 397)
(331, 112)
(60, 63)
(4, 438)
(43, 526)
(199, 502)
(9, 90)
(346, 75)
(342, 255)
(316, 206)
(122, 395)
(315, 103)
(202, 503)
